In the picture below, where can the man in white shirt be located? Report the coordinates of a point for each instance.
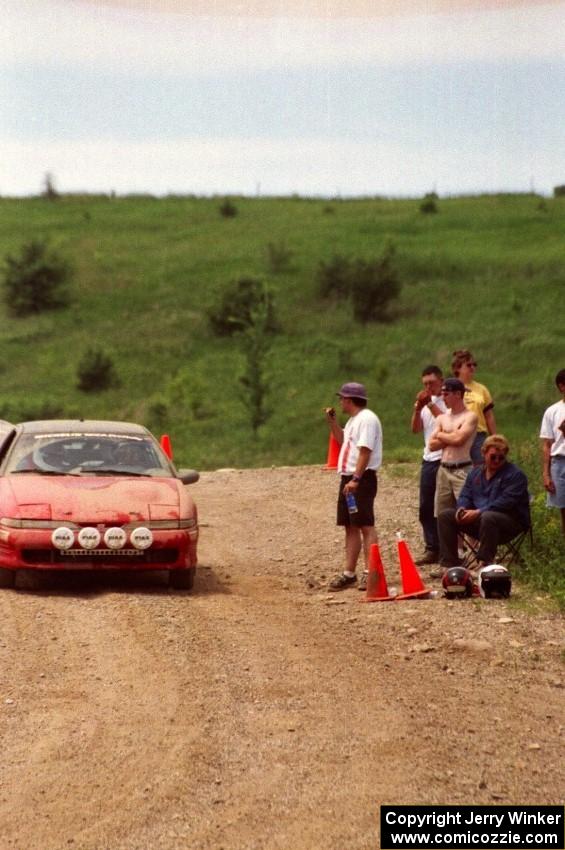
(553, 435)
(360, 457)
(427, 405)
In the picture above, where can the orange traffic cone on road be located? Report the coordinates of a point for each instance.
(166, 446)
(412, 584)
(333, 453)
(377, 590)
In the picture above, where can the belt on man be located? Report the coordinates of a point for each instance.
(456, 465)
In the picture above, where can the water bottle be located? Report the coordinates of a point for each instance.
(351, 502)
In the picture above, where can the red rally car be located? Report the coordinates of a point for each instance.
(80, 494)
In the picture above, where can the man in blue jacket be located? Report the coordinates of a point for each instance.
(493, 506)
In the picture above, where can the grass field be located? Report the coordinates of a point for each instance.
(486, 273)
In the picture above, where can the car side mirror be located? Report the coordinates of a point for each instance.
(188, 476)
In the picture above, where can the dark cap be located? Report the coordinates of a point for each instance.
(454, 385)
(353, 390)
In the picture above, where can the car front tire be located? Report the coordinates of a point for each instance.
(7, 577)
(182, 579)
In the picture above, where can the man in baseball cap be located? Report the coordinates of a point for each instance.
(453, 436)
(359, 458)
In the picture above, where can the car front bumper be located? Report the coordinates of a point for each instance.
(29, 548)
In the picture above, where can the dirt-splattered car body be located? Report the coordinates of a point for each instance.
(80, 494)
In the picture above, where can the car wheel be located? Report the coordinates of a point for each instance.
(7, 577)
(182, 579)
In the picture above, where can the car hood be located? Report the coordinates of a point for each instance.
(93, 499)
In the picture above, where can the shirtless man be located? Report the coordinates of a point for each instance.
(454, 434)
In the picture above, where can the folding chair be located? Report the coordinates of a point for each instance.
(511, 549)
(507, 553)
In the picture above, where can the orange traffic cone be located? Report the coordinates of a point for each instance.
(166, 445)
(333, 453)
(377, 590)
(412, 584)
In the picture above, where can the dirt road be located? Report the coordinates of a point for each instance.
(260, 711)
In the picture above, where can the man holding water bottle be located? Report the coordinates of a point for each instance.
(359, 459)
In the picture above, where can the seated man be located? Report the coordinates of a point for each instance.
(493, 506)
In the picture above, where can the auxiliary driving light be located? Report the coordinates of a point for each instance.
(115, 538)
(62, 538)
(89, 537)
(141, 538)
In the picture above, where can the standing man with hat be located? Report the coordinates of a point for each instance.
(454, 434)
(360, 457)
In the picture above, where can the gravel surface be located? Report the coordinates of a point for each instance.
(260, 711)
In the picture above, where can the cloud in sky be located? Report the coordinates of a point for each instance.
(54, 34)
(138, 96)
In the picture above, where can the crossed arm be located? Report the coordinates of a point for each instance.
(458, 437)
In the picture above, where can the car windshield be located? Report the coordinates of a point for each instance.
(86, 454)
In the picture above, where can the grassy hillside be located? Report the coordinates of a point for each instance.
(485, 273)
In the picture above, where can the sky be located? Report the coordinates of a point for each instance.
(310, 97)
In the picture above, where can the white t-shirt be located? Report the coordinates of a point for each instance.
(363, 429)
(429, 424)
(552, 419)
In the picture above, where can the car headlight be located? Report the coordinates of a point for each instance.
(188, 523)
(169, 524)
(11, 522)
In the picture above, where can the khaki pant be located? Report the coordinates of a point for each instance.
(449, 484)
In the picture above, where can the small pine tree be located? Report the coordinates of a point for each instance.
(334, 277)
(374, 286)
(234, 313)
(429, 204)
(256, 341)
(227, 209)
(49, 191)
(35, 280)
(279, 257)
(95, 371)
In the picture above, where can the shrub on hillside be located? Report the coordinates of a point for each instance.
(256, 342)
(49, 192)
(96, 372)
(334, 277)
(279, 257)
(247, 311)
(543, 566)
(428, 204)
(374, 287)
(234, 312)
(16, 410)
(227, 209)
(559, 191)
(35, 280)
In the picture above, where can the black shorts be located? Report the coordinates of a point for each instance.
(365, 497)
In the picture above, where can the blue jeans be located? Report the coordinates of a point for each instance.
(476, 453)
(428, 475)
